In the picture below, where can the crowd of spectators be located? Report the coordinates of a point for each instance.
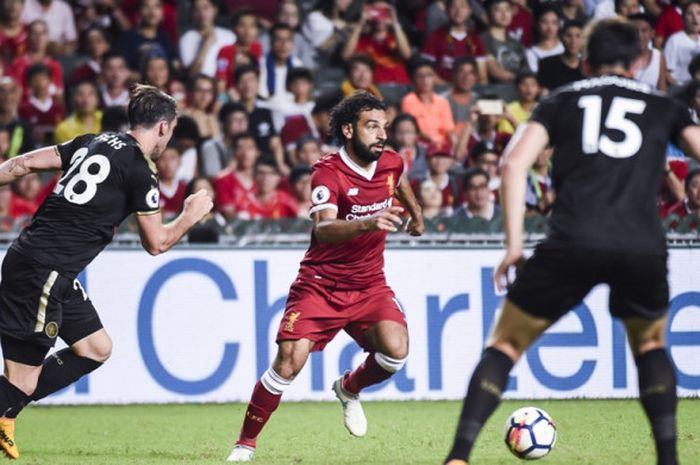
(255, 82)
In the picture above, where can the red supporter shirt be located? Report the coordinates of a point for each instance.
(42, 116)
(12, 47)
(444, 49)
(389, 66)
(297, 126)
(282, 205)
(226, 62)
(171, 200)
(88, 71)
(20, 207)
(669, 22)
(337, 183)
(681, 210)
(522, 25)
(22, 64)
(231, 190)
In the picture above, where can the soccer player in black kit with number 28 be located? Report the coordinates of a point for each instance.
(106, 178)
(609, 135)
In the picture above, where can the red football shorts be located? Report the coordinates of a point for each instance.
(317, 312)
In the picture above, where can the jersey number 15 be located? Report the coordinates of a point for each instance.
(93, 170)
(616, 119)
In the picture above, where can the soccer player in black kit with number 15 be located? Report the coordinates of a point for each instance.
(105, 178)
(609, 135)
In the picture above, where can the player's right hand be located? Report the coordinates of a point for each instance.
(501, 275)
(198, 204)
(385, 220)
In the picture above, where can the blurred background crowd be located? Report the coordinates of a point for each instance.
(255, 81)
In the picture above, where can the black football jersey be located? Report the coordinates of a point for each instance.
(105, 178)
(609, 136)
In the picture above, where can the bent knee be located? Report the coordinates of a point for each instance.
(288, 368)
(397, 349)
(289, 364)
(98, 350)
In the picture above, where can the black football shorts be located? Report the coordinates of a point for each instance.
(38, 304)
(555, 279)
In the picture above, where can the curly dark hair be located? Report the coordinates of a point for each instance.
(349, 109)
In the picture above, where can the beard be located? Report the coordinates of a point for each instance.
(364, 152)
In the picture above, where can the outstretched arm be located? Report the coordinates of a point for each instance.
(157, 237)
(44, 159)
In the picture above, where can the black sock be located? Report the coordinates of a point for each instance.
(59, 370)
(483, 396)
(10, 396)
(657, 393)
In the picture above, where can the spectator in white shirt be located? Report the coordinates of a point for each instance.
(275, 65)
(682, 46)
(58, 16)
(114, 89)
(548, 43)
(300, 83)
(200, 46)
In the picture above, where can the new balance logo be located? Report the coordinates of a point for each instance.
(353, 191)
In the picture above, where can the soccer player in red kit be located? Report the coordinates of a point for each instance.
(341, 282)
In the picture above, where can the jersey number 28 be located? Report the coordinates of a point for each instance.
(92, 170)
(593, 142)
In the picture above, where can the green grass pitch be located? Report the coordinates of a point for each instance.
(590, 432)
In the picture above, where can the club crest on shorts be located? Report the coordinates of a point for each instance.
(291, 321)
(51, 329)
(320, 195)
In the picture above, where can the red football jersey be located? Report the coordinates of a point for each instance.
(521, 26)
(21, 65)
(339, 184)
(669, 22)
(13, 46)
(226, 62)
(43, 117)
(172, 199)
(389, 67)
(282, 205)
(231, 190)
(444, 49)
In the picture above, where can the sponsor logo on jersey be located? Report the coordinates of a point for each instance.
(153, 198)
(363, 211)
(291, 321)
(320, 195)
(353, 191)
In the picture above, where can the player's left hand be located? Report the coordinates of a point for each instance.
(415, 227)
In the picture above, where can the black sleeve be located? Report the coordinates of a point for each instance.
(144, 195)
(545, 113)
(66, 150)
(680, 119)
